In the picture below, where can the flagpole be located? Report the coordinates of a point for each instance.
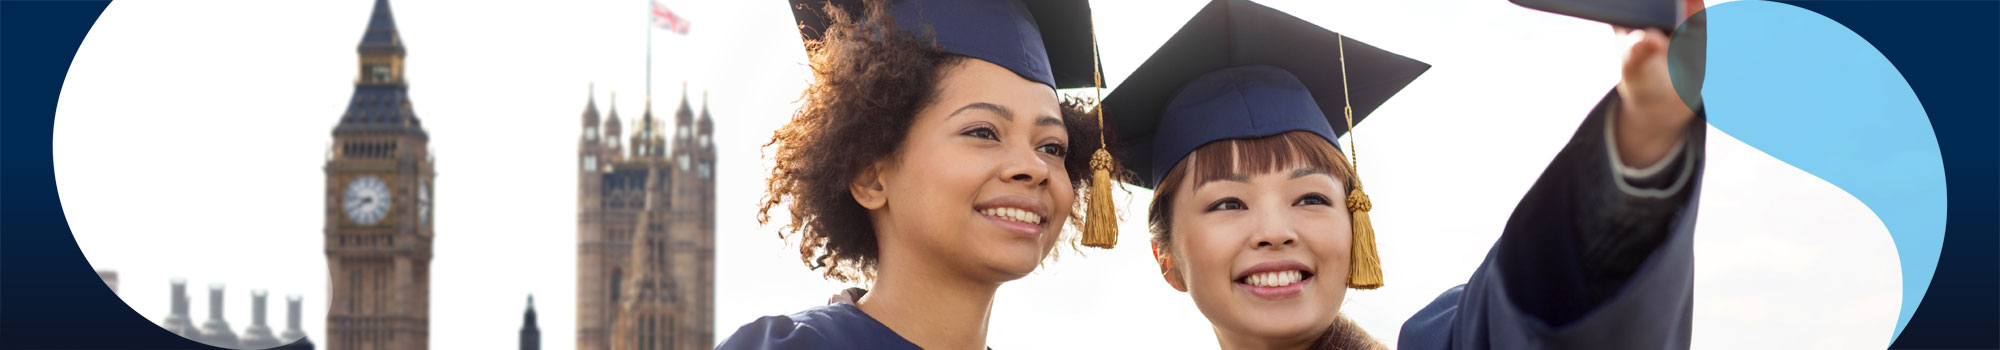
(649, 52)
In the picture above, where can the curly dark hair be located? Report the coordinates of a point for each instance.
(869, 80)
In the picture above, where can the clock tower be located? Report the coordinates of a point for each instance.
(378, 205)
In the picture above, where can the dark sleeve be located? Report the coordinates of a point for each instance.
(1583, 230)
(1589, 259)
(1626, 213)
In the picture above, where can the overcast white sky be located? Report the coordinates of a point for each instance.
(190, 139)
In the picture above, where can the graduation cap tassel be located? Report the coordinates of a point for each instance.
(1365, 267)
(1365, 271)
(1100, 228)
(1100, 225)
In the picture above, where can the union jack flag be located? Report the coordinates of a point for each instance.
(665, 19)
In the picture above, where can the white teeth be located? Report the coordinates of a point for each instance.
(1275, 278)
(1016, 215)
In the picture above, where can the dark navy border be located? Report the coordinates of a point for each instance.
(1947, 50)
(51, 297)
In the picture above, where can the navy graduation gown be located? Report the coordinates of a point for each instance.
(834, 326)
(1590, 258)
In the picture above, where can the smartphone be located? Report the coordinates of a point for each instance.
(1662, 14)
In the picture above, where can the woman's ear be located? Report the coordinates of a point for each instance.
(868, 188)
(1167, 270)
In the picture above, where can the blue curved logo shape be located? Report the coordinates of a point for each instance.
(1812, 93)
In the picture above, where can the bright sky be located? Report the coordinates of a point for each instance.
(191, 136)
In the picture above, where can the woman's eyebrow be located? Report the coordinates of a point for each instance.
(1048, 121)
(1005, 114)
(996, 109)
(1228, 177)
(1303, 172)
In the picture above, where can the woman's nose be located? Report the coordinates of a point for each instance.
(1274, 231)
(1022, 166)
(1267, 243)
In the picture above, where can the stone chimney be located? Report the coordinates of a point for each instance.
(294, 337)
(258, 336)
(215, 332)
(178, 321)
(110, 278)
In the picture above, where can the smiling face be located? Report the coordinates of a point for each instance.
(1259, 236)
(978, 186)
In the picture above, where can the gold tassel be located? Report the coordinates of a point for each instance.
(1100, 225)
(1100, 218)
(1365, 269)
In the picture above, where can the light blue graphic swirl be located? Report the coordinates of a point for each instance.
(1812, 93)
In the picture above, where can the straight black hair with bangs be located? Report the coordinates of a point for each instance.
(1244, 157)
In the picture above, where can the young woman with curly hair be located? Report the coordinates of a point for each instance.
(933, 159)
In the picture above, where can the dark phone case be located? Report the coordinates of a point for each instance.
(1662, 14)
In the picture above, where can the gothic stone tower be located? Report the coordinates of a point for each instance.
(700, 218)
(646, 233)
(607, 206)
(378, 213)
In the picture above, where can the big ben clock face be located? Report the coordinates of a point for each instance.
(367, 200)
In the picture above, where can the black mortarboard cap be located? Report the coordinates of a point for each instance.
(1047, 41)
(1241, 70)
